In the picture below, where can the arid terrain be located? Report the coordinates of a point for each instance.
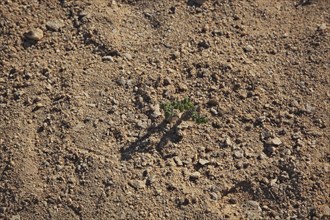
(83, 134)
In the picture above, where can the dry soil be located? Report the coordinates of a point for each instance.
(82, 135)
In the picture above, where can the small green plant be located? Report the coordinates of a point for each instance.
(186, 106)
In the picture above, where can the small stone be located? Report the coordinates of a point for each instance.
(156, 111)
(170, 163)
(55, 25)
(35, 34)
(107, 58)
(255, 205)
(309, 109)
(238, 154)
(203, 162)
(227, 142)
(178, 161)
(183, 201)
(243, 94)
(137, 184)
(262, 156)
(59, 167)
(93, 105)
(38, 106)
(217, 32)
(71, 180)
(264, 181)
(248, 48)
(274, 141)
(195, 175)
(11, 163)
(176, 55)
(121, 81)
(273, 181)
(128, 56)
(182, 87)
(322, 27)
(187, 161)
(85, 14)
(214, 111)
(239, 165)
(214, 196)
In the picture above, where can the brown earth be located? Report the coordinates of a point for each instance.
(81, 135)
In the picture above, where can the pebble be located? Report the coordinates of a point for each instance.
(156, 111)
(107, 58)
(248, 48)
(176, 55)
(170, 163)
(122, 81)
(239, 165)
(195, 175)
(38, 106)
(59, 167)
(228, 142)
(85, 14)
(262, 156)
(309, 109)
(182, 87)
(203, 162)
(35, 34)
(238, 154)
(273, 181)
(178, 161)
(187, 161)
(322, 27)
(55, 25)
(137, 184)
(274, 141)
(128, 56)
(214, 196)
(254, 204)
(71, 180)
(214, 111)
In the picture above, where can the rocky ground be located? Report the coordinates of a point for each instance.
(82, 135)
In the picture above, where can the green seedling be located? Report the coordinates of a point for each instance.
(184, 106)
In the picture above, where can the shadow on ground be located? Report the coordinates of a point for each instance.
(167, 135)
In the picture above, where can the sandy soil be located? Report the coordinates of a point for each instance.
(82, 135)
